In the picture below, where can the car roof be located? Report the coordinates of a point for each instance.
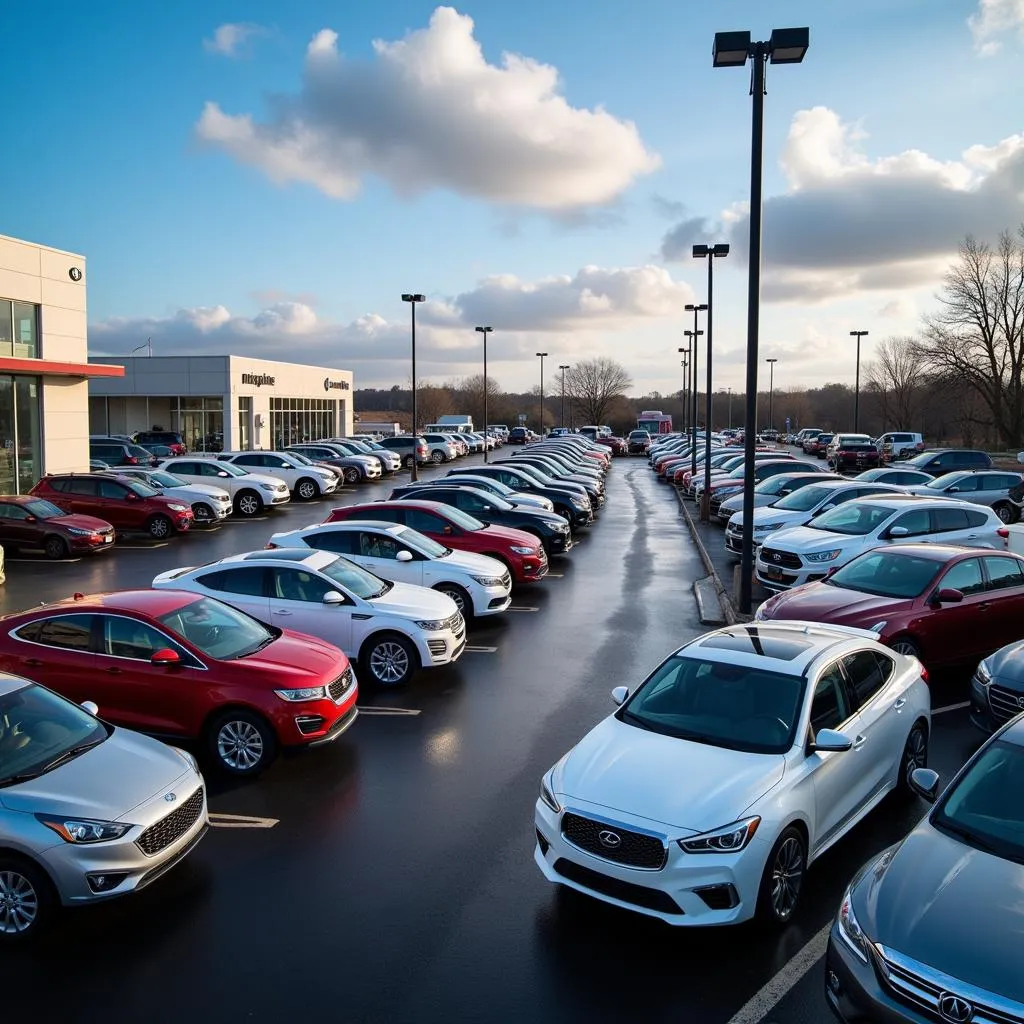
(943, 552)
(355, 524)
(901, 497)
(148, 602)
(21, 499)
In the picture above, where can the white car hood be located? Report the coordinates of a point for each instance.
(411, 602)
(804, 539)
(196, 492)
(471, 562)
(678, 783)
(260, 478)
(769, 516)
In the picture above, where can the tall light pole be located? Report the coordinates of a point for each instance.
(412, 298)
(561, 419)
(485, 331)
(710, 253)
(856, 387)
(693, 336)
(730, 408)
(684, 393)
(732, 49)
(541, 356)
(771, 391)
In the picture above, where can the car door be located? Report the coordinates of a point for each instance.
(378, 551)
(81, 496)
(243, 587)
(297, 603)
(1005, 587)
(431, 525)
(958, 628)
(15, 529)
(58, 652)
(918, 524)
(114, 504)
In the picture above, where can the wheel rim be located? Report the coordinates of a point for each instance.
(306, 490)
(19, 903)
(248, 505)
(351, 476)
(456, 596)
(1004, 514)
(159, 527)
(787, 877)
(389, 662)
(438, 457)
(202, 513)
(240, 745)
(905, 647)
(916, 754)
(55, 547)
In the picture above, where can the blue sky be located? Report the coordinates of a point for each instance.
(197, 237)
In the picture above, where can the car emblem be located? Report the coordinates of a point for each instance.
(955, 1009)
(170, 797)
(610, 839)
(777, 557)
(1020, 702)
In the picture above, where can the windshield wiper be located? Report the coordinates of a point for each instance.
(969, 837)
(62, 758)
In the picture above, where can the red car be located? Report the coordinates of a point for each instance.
(181, 665)
(123, 501)
(943, 604)
(617, 445)
(27, 522)
(521, 552)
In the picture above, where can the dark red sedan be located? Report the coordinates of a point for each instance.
(521, 552)
(30, 523)
(180, 665)
(943, 604)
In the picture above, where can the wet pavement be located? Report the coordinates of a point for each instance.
(394, 879)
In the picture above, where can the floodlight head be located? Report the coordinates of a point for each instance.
(731, 49)
(485, 330)
(700, 251)
(771, 360)
(789, 45)
(857, 334)
(720, 249)
(412, 297)
(542, 354)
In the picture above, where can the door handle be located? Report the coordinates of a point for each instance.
(983, 606)
(899, 705)
(113, 671)
(859, 742)
(32, 662)
(281, 611)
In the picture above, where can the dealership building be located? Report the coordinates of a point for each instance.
(44, 368)
(224, 402)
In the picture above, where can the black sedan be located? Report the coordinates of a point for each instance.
(550, 529)
(938, 916)
(569, 502)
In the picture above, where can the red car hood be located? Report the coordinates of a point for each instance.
(820, 602)
(293, 658)
(81, 522)
(509, 535)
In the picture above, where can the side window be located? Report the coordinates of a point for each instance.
(80, 485)
(276, 462)
(424, 522)
(112, 489)
(1003, 573)
(247, 581)
(967, 483)
(945, 520)
(209, 469)
(60, 485)
(1004, 481)
(248, 460)
(298, 585)
(377, 545)
(124, 637)
(965, 576)
(865, 676)
(978, 459)
(66, 632)
(830, 706)
(9, 512)
(469, 502)
(915, 523)
(977, 518)
(384, 513)
(341, 542)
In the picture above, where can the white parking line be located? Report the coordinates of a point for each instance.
(477, 649)
(556, 575)
(387, 712)
(952, 707)
(141, 547)
(39, 561)
(241, 821)
(772, 994)
(521, 608)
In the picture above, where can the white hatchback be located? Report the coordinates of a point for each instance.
(391, 628)
(478, 584)
(807, 553)
(737, 763)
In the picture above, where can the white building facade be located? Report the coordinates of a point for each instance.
(44, 372)
(224, 402)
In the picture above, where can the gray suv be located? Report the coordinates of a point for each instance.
(408, 449)
(938, 462)
(985, 488)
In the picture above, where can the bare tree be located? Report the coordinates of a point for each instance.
(977, 337)
(432, 402)
(593, 385)
(468, 394)
(898, 375)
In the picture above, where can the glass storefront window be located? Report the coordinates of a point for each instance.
(6, 328)
(20, 442)
(293, 420)
(26, 329)
(200, 421)
(244, 420)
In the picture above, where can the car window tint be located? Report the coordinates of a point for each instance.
(915, 523)
(830, 706)
(248, 460)
(946, 519)
(1003, 572)
(298, 585)
(67, 632)
(977, 518)
(112, 489)
(377, 545)
(865, 675)
(966, 484)
(424, 522)
(80, 485)
(965, 576)
(209, 469)
(124, 637)
(469, 502)
(247, 581)
(341, 542)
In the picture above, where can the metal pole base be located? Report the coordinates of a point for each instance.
(705, 507)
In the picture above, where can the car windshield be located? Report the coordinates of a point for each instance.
(421, 542)
(805, 499)
(231, 469)
(219, 630)
(40, 731)
(355, 579)
(920, 460)
(162, 479)
(463, 519)
(940, 483)
(142, 489)
(731, 463)
(42, 509)
(887, 574)
(733, 706)
(984, 808)
(776, 484)
(854, 519)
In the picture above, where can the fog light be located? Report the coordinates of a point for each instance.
(834, 984)
(104, 883)
(542, 843)
(309, 724)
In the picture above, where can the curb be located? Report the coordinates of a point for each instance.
(728, 612)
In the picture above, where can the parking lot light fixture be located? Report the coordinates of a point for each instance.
(412, 298)
(485, 331)
(733, 49)
(541, 356)
(693, 335)
(771, 391)
(856, 387)
(561, 419)
(684, 393)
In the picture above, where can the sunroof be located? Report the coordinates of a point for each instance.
(763, 643)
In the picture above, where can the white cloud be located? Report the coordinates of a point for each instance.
(429, 112)
(229, 40)
(995, 18)
(849, 223)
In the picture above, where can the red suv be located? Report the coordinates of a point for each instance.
(182, 665)
(521, 552)
(125, 503)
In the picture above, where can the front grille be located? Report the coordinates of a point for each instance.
(782, 559)
(627, 892)
(506, 580)
(340, 686)
(634, 849)
(919, 986)
(167, 830)
(1004, 703)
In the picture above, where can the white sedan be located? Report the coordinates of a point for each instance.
(391, 628)
(737, 763)
(209, 504)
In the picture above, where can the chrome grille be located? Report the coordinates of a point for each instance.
(506, 580)
(337, 690)
(922, 987)
(159, 836)
(632, 849)
(782, 559)
(1004, 703)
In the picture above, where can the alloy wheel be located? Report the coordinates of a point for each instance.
(389, 662)
(787, 877)
(19, 903)
(240, 745)
(202, 512)
(352, 475)
(456, 594)
(437, 457)
(307, 490)
(248, 504)
(915, 755)
(56, 547)
(159, 527)
(907, 647)
(1005, 513)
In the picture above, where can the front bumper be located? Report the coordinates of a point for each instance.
(559, 543)
(310, 723)
(93, 542)
(276, 497)
(529, 569)
(442, 646)
(489, 600)
(183, 520)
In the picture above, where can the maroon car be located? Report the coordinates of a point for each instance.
(30, 523)
(943, 604)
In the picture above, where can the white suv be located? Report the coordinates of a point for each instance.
(478, 584)
(250, 492)
(392, 628)
(806, 553)
(305, 482)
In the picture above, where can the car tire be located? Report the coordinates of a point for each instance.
(905, 645)
(32, 896)
(55, 547)
(248, 504)
(1007, 513)
(389, 659)
(241, 743)
(159, 527)
(203, 513)
(437, 457)
(460, 596)
(915, 755)
(351, 475)
(783, 878)
(306, 489)
(408, 461)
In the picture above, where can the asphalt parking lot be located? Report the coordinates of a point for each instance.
(389, 876)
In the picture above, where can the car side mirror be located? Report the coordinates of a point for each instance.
(403, 556)
(91, 707)
(333, 597)
(831, 741)
(130, 496)
(223, 473)
(165, 656)
(948, 595)
(898, 531)
(447, 531)
(925, 783)
(30, 519)
(619, 694)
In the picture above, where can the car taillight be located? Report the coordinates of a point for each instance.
(1003, 531)
(924, 674)
(270, 546)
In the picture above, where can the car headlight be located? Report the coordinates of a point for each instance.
(432, 625)
(983, 673)
(84, 830)
(547, 793)
(767, 527)
(824, 556)
(489, 581)
(579, 503)
(523, 551)
(187, 758)
(302, 693)
(850, 930)
(727, 839)
(79, 532)
(759, 614)
(223, 496)
(175, 507)
(268, 487)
